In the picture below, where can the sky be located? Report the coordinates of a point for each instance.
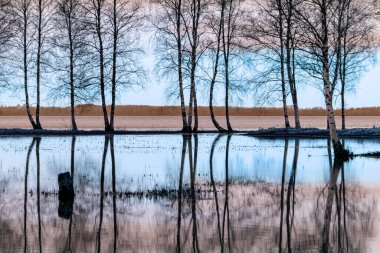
(366, 93)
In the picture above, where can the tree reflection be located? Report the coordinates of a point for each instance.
(101, 205)
(215, 142)
(38, 142)
(215, 210)
(179, 214)
(114, 194)
(72, 172)
(282, 193)
(193, 169)
(26, 193)
(354, 219)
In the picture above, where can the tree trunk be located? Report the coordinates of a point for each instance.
(196, 120)
(290, 70)
(337, 145)
(101, 66)
(343, 109)
(194, 46)
(38, 77)
(282, 61)
(215, 73)
(25, 56)
(227, 106)
(179, 63)
(72, 81)
(114, 66)
(226, 53)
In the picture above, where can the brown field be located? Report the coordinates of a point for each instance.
(95, 110)
(174, 122)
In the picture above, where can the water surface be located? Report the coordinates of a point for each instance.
(173, 193)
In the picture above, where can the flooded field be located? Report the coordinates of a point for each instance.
(173, 193)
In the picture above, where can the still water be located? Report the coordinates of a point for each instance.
(205, 193)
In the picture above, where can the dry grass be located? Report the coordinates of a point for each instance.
(95, 110)
(174, 122)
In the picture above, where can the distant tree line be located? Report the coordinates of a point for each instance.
(264, 48)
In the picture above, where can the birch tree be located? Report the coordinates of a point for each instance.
(358, 48)
(169, 25)
(321, 21)
(69, 39)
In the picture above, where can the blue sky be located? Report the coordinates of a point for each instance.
(366, 93)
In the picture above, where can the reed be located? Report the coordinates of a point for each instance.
(142, 110)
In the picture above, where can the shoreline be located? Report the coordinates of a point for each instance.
(261, 133)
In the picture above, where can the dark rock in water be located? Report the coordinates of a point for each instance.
(66, 188)
(65, 209)
(65, 195)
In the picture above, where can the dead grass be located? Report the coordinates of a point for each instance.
(174, 122)
(95, 110)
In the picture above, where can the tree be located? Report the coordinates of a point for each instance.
(170, 46)
(322, 28)
(69, 38)
(22, 10)
(266, 31)
(111, 24)
(358, 45)
(282, 61)
(125, 18)
(95, 15)
(229, 35)
(42, 26)
(218, 22)
(290, 48)
(194, 11)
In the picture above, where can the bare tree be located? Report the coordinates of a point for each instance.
(321, 21)
(170, 46)
(282, 60)
(265, 29)
(229, 35)
(218, 22)
(95, 10)
(125, 18)
(22, 10)
(358, 46)
(70, 38)
(193, 30)
(111, 25)
(290, 55)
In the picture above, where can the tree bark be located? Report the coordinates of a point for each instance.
(101, 63)
(196, 8)
(72, 81)
(25, 56)
(114, 65)
(337, 145)
(179, 63)
(290, 70)
(215, 73)
(282, 62)
(38, 77)
(226, 53)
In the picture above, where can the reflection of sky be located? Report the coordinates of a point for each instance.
(149, 162)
